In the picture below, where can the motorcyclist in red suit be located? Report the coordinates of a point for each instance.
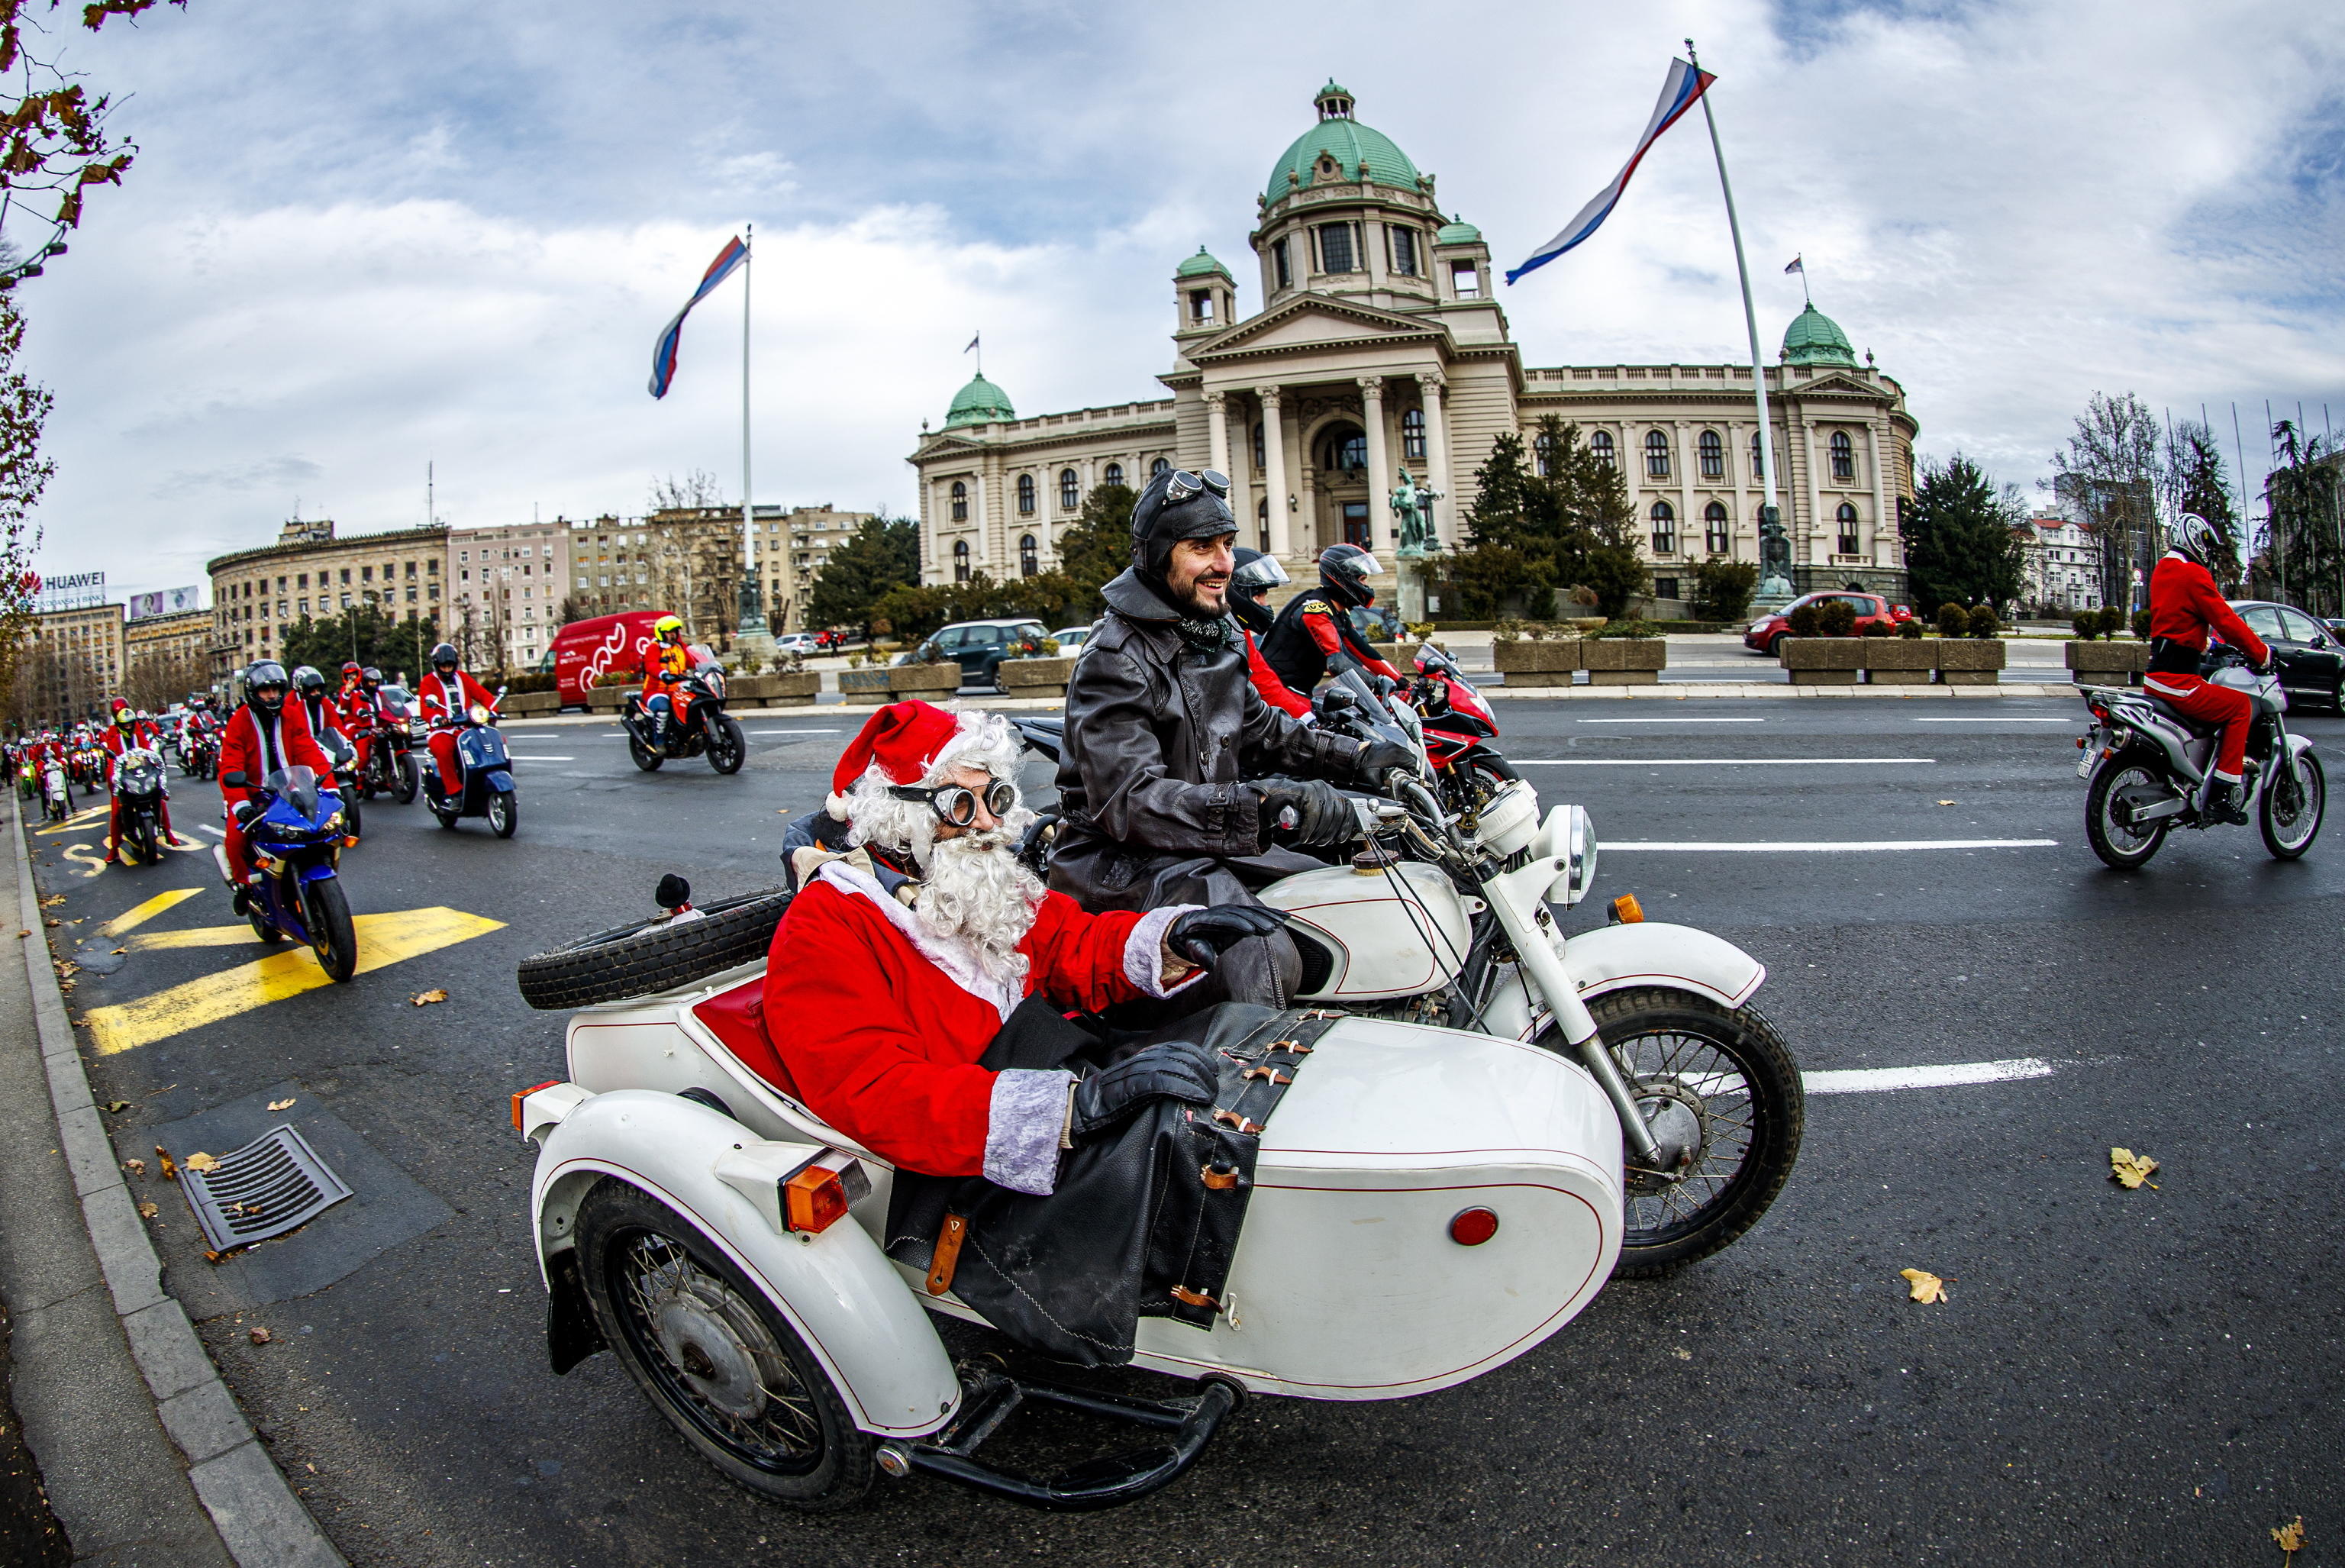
(128, 732)
(355, 713)
(1315, 632)
(268, 733)
(447, 694)
(2186, 604)
(1250, 585)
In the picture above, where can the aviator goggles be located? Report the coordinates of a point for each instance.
(1183, 485)
(957, 803)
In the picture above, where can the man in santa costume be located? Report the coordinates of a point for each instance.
(2186, 607)
(900, 963)
(131, 731)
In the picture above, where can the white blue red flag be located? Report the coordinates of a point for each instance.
(664, 356)
(1685, 84)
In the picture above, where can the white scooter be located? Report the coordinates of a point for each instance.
(54, 805)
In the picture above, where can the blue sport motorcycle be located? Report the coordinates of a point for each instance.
(296, 840)
(485, 783)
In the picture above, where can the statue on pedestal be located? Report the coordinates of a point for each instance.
(1774, 558)
(1412, 505)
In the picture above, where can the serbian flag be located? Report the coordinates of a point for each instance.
(1685, 83)
(664, 356)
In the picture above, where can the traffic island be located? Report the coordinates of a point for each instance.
(1969, 661)
(1036, 676)
(1824, 661)
(1541, 661)
(2107, 663)
(1624, 661)
(1899, 661)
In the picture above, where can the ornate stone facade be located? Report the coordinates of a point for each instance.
(1380, 346)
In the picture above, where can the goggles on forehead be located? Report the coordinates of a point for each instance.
(1184, 484)
(957, 803)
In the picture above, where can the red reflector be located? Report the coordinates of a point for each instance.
(1473, 1226)
(521, 1095)
(814, 1199)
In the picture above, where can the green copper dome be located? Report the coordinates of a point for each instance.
(1815, 339)
(980, 402)
(1347, 142)
(1457, 231)
(1201, 265)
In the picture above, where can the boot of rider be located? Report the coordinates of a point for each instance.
(2226, 801)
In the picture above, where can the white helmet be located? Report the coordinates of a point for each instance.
(2195, 537)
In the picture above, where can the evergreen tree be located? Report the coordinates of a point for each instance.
(367, 633)
(2303, 558)
(1098, 544)
(1566, 523)
(1960, 543)
(884, 554)
(2194, 481)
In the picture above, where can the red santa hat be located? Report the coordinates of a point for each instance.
(903, 740)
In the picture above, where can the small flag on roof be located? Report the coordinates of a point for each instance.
(1685, 83)
(664, 356)
(1797, 266)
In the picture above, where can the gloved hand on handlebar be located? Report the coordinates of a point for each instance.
(1175, 1070)
(1378, 757)
(1200, 936)
(1321, 816)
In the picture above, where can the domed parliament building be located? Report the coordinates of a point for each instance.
(1379, 346)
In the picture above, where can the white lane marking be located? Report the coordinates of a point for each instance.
(1819, 846)
(1669, 722)
(797, 732)
(208, 828)
(1952, 1074)
(1711, 761)
(538, 757)
(2014, 719)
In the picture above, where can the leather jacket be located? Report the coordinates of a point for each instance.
(1158, 739)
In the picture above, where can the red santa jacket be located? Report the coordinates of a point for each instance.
(255, 751)
(119, 741)
(2184, 605)
(433, 691)
(880, 1026)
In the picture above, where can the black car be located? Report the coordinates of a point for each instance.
(2310, 657)
(979, 646)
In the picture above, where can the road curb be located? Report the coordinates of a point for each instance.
(258, 1519)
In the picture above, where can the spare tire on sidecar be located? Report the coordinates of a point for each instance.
(653, 955)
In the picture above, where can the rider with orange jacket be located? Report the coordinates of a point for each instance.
(2185, 606)
(447, 694)
(667, 661)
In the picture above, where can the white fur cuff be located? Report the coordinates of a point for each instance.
(1022, 1129)
(1143, 951)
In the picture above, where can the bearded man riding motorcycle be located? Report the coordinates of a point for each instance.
(1173, 776)
(665, 662)
(129, 731)
(265, 735)
(2186, 604)
(1315, 631)
(447, 694)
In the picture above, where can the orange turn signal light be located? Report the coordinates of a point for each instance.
(521, 1095)
(817, 1193)
(1627, 910)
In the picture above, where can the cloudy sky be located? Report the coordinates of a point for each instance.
(361, 237)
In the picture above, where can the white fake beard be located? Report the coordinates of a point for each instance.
(974, 890)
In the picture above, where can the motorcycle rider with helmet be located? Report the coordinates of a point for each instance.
(665, 662)
(2186, 604)
(1250, 586)
(129, 731)
(265, 735)
(448, 693)
(353, 714)
(1174, 774)
(1314, 631)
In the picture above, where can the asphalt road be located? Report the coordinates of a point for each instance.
(2141, 1376)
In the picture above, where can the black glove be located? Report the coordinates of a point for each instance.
(1175, 1070)
(1200, 936)
(1322, 815)
(1378, 757)
(245, 810)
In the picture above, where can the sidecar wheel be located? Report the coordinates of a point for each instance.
(653, 955)
(1726, 1073)
(711, 1352)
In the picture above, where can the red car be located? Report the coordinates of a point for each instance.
(1768, 630)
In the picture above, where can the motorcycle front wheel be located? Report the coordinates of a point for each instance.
(714, 1354)
(2290, 811)
(504, 813)
(142, 839)
(2120, 845)
(728, 746)
(1719, 1087)
(332, 937)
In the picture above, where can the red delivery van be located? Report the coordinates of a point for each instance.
(609, 645)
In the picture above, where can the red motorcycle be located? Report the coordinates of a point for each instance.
(1459, 728)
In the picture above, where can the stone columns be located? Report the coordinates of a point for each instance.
(1883, 525)
(1217, 432)
(1381, 476)
(983, 515)
(1429, 384)
(1815, 494)
(1273, 479)
(1687, 458)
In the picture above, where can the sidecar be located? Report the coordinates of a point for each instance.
(1428, 1206)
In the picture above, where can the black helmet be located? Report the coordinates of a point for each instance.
(1345, 570)
(1177, 505)
(263, 678)
(444, 655)
(2195, 537)
(1257, 573)
(309, 681)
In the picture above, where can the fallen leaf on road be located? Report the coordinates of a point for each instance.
(168, 1166)
(1926, 1285)
(279, 1104)
(116, 1107)
(200, 1161)
(429, 997)
(147, 1211)
(122, 949)
(2291, 1536)
(53, 922)
(53, 900)
(1945, 802)
(2130, 1170)
(22, 934)
(135, 1167)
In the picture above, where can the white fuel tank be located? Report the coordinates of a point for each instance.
(1397, 933)
(1348, 1283)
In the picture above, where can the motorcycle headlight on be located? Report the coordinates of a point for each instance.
(479, 715)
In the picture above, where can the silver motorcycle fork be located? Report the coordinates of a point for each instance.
(1544, 968)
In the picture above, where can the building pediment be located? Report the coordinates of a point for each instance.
(1316, 322)
(1841, 386)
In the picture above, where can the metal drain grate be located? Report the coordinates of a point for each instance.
(266, 1188)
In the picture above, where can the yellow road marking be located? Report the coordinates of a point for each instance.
(74, 821)
(202, 936)
(83, 855)
(383, 940)
(140, 914)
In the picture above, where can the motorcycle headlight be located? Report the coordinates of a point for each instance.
(480, 715)
(1575, 849)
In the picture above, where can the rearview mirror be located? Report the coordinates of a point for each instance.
(235, 780)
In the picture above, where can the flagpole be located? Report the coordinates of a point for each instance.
(1749, 314)
(753, 595)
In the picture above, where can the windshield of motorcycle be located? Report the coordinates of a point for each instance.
(297, 787)
(1388, 718)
